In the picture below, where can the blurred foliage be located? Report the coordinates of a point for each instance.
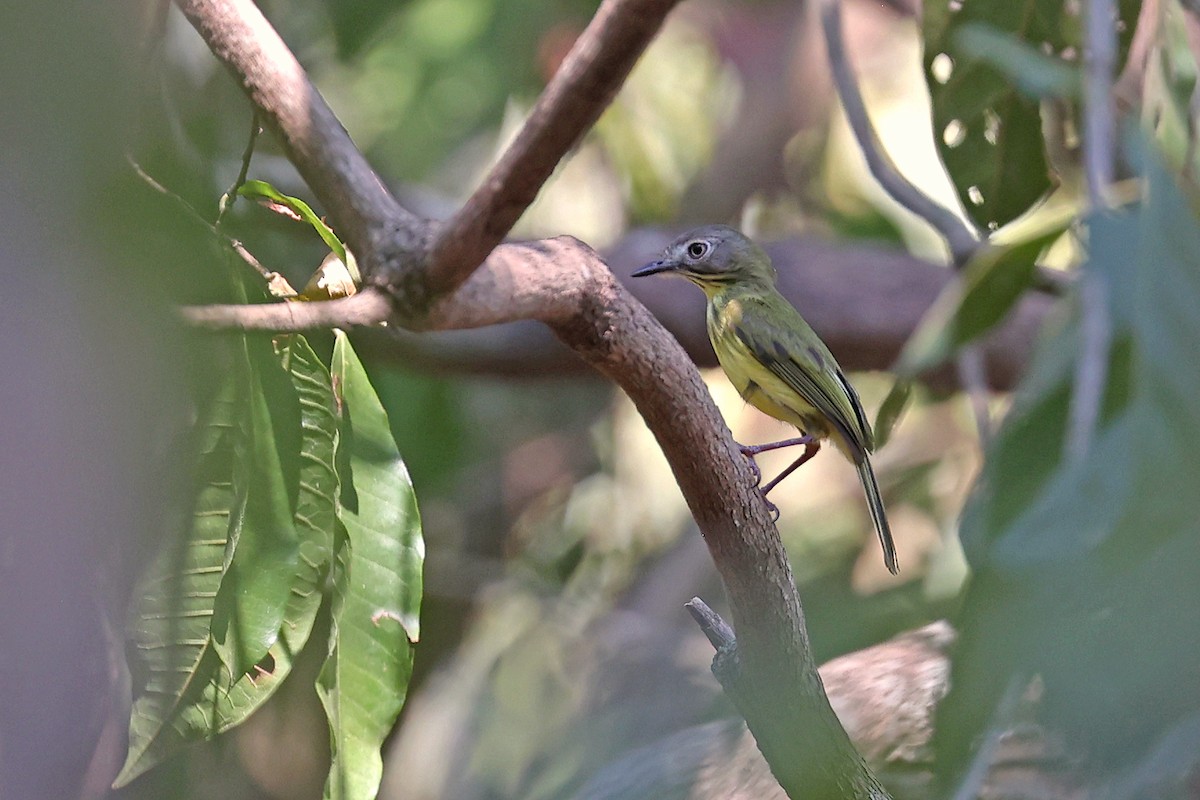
(1170, 91)
(1078, 561)
(992, 282)
(432, 74)
(1076, 586)
(663, 126)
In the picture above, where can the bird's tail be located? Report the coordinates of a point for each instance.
(875, 504)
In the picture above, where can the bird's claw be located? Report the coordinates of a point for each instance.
(771, 508)
(750, 451)
(755, 470)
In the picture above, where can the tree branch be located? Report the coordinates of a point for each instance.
(770, 671)
(962, 240)
(961, 237)
(830, 283)
(583, 87)
(1099, 134)
(369, 307)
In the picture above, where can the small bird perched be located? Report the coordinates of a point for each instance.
(773, 358)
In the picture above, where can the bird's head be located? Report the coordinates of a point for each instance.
(714, 257)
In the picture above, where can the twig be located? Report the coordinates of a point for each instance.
(817, 272)
(1099, 121)
(960, 237)
(231, 194)
(999, 724)
(190, 211)
(972, 376)
(1099, 139)
(716, 630)
(582, 88)
(367, 308)
(248, 258)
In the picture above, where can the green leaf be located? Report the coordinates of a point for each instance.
(264, 553)
(264, 190)
(1034, 73)
(378, 592)
(988, 133)
(316, 506)
(1169, 89)
(171, 658)
(183, 690)
(890, 410)
(315, 523)
(990, 285)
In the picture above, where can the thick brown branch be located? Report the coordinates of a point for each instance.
(583, 87)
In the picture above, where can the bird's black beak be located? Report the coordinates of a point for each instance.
(655, 267)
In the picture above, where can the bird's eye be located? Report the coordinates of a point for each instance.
(698, 249)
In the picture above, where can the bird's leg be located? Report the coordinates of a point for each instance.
(811, 446)
(752, 450)
(772, 509)
(810, 449)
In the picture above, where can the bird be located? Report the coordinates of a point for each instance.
(774, 359)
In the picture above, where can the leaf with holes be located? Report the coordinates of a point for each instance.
(988, 133)
(1036, 74)
(377, 592)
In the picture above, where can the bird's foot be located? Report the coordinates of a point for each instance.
(811, 446)
(755, 470)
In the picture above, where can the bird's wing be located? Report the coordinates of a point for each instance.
(797, 363)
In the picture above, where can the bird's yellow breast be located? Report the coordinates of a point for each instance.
(757, 385)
